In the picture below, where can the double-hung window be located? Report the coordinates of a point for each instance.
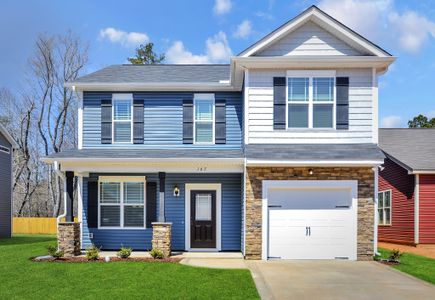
(204, 116)
(122, 202)
(384, 207)
(122, 118)
(311, 100)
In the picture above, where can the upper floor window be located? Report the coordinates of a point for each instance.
(122, 118)
(384, 207)
(310, 100)
(204, 113)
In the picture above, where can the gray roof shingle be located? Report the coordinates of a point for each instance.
(343, 152)
(413, 148)
(146, 153)
(158, 73)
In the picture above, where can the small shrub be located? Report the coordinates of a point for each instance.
(124, 252)
(52, 250)
(93, 253)
(395, 255)
(156, 254)
(377, 257)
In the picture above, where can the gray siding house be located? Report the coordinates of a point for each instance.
(7, 144)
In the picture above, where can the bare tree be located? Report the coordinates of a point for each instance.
(57, 59)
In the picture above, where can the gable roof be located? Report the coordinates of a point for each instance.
(318, 16)
(8, 137)
(412, 148)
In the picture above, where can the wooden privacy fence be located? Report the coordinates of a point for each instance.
(34, 225)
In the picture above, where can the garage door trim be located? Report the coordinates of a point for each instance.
(306, 184)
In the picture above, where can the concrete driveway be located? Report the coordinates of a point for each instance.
(335, 280)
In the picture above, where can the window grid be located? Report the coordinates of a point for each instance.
(199, 120)
(120, 119)
(312, 101)
(384, 207)
(122, 204)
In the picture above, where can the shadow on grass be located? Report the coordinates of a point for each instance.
(26, 239)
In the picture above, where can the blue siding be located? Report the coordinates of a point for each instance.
(174, 206)
(163, 120)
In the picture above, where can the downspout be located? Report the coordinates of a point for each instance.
(65, 196)
(376, 214)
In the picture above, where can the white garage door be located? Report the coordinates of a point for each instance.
(312, 223)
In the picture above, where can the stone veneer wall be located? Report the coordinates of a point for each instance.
(68, 238)
(162, 237)
(255, 176)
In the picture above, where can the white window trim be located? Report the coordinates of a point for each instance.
(204, 187)
(310, 74)
(383, 207)
(201, 97)
(128, 97)
(121, 180)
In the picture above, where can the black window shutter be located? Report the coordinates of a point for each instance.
(138, 120)
(151, 201)
(187, 121)
(279, 103)
(220, 121)
(342, 113)
(92, 215)
(106, 121)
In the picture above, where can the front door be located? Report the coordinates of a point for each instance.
(203, 219)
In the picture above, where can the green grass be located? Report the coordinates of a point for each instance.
(21, 278)
(415, 265)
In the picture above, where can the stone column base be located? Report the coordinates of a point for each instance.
(162, 237)
(68, 238)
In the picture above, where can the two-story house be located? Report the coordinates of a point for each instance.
(274, 155)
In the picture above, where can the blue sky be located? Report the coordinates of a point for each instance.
(209, 31)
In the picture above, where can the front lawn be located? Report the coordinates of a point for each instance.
(22, 278)
(418, 266)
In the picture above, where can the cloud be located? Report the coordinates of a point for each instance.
(244, 30)
(126, 39)
(217, 51)
(414, 30)
(222, 6)
(391, 122)
(380, 21)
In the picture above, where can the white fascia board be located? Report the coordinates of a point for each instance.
(313, 163)
(153, 86)
(314, 62)
(325, 21)
(428, 172)
(9, 137)
(141, 160)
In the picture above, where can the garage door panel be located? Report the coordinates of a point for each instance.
(330, 220)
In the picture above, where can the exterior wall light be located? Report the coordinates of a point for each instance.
(176, 191)
(310, 171)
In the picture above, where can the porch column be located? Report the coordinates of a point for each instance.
(162, 176)
(70, 196)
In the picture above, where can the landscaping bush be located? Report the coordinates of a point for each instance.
(156, 254)
(52, 250)
(124, 252)
(395, 255)
(93, 253)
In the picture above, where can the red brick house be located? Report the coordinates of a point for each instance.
(406, 198)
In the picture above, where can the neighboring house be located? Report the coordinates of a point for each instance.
(7, 145)
(407, 186)
(274, 155)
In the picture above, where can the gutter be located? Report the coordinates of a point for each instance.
(61, 176)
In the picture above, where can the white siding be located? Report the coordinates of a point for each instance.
(260, 108)
(309, 39)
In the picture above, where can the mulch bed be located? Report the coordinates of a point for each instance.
(81, 259)
(389, 263)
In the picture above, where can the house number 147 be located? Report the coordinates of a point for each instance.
(201, 169)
